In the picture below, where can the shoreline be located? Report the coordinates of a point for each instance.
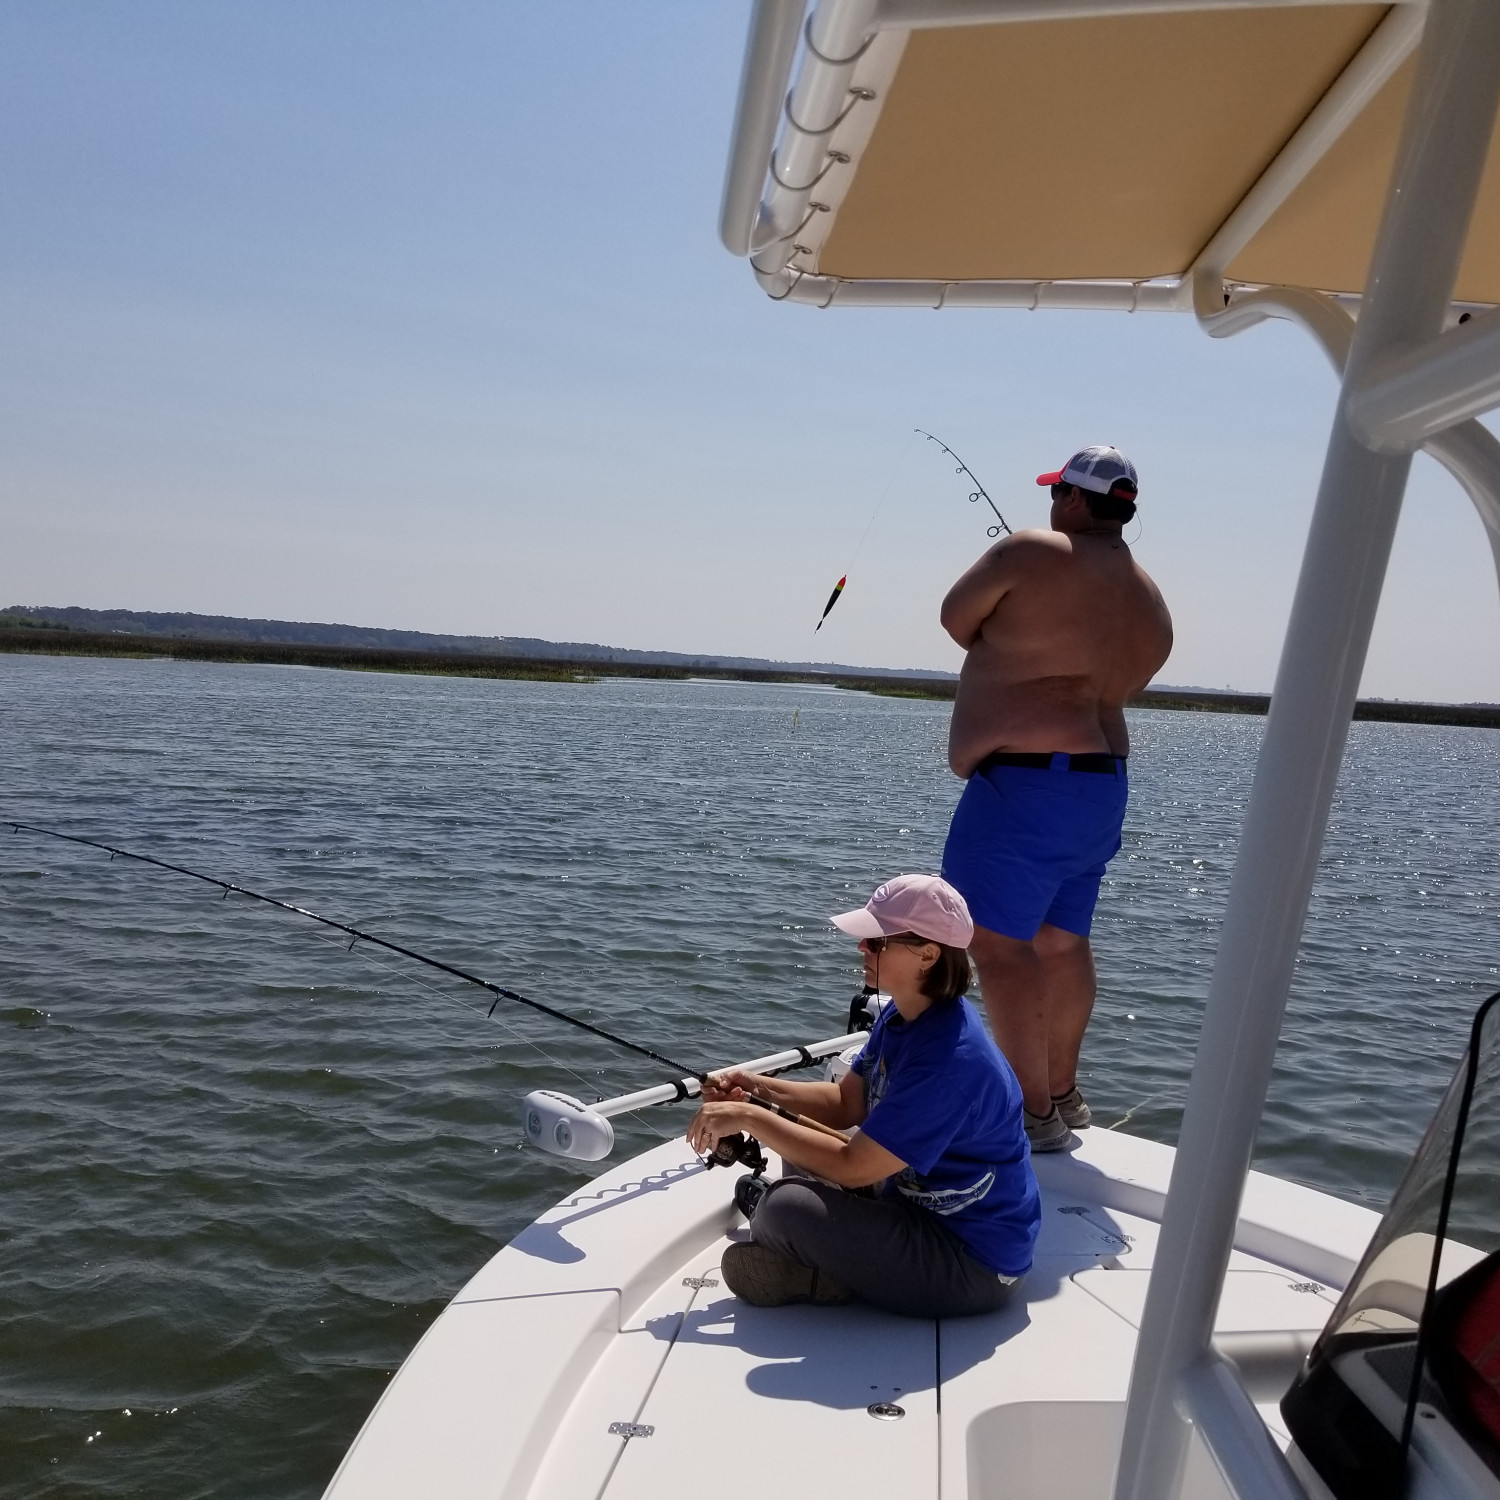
(45, 642)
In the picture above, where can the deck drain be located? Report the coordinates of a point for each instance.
(886, 1411)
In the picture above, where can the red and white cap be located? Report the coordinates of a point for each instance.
(924, 904)
(1104, 470)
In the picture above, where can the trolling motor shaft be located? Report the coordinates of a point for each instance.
(562, 1125)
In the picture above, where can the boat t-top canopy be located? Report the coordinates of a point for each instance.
(1329, 163)
(1083, 153)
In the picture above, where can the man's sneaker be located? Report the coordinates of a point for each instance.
(1048, 1132)
(765, 1279)
(1074, 1109)
(748, 1192)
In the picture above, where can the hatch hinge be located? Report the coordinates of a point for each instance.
(630, 1429)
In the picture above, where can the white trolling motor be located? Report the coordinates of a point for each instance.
(564, 1126)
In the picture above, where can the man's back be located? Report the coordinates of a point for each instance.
(1062, 629)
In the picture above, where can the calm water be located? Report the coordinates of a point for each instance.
(242, 1169)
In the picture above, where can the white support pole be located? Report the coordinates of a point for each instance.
(1413, 394)
(1239, 1443)
(787, 284)
(1444, 140)
(1316, 312)
(1470, 452)
(918, 14)
(775, 29)
(837, 34)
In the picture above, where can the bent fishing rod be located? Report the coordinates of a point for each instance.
(978, 490)
(500, 992)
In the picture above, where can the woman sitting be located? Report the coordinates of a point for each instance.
(929, 1208)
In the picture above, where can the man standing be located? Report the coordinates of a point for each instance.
(1062, 628)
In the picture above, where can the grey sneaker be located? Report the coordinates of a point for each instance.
(763, 1278)
(1074, 1109)
(1048, 1132)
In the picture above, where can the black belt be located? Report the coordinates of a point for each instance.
(1041, 760)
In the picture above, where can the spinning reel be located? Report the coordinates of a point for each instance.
(738, 1148)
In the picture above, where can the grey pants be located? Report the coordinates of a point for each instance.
(889, 1253)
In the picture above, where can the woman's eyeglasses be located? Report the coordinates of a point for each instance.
(910, 940)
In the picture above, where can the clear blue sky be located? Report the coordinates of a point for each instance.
(415, 315)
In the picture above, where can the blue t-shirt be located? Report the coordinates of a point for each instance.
(941, 1097)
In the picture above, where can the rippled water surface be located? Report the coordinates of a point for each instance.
(241, 1169)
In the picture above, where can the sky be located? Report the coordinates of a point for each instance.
(416, 316)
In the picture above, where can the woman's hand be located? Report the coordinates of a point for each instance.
(732, 1083)
(713, 1122)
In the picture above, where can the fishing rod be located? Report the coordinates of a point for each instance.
(978, 490)
(782, 1113)
(359, 936)
(558, 1123)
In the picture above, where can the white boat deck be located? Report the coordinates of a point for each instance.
(610, 1310)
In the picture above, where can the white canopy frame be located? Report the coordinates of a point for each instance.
(1468, 450)
(829, 91)
(1444, 140)
(1406, 383)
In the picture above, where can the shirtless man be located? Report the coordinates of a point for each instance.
(1062, 628)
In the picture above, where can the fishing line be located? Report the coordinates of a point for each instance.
(838, 588)
(1125, 1118)
(500, 992)
(885, 495)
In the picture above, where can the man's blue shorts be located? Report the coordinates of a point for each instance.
(1028, 845)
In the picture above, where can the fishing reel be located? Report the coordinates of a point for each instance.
(864, 1008)
(738, 1149)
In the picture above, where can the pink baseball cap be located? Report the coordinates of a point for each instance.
(924, 904)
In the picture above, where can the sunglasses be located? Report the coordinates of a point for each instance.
(1059, 491)
(880, 944)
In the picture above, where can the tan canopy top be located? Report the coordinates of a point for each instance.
(1118, 147)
